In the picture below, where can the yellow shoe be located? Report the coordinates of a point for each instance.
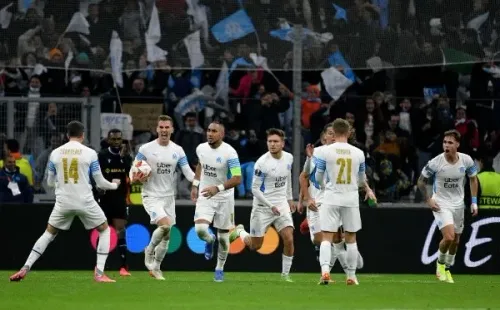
(440, 271)
(449, 278)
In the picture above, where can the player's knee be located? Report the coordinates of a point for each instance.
(223, 240)
(449, 237)
(317, 238)
(256, 243)
(165, 229)
(201, 229)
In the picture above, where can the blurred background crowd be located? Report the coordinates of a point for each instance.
(401, 72)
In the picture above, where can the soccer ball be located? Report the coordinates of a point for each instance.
(140, 167)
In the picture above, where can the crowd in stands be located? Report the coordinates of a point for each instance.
(418, 68)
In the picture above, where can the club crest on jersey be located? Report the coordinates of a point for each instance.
(174, 156)
(462, 169)
(219, 160)
(258, 173)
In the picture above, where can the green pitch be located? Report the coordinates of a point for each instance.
(189, 290)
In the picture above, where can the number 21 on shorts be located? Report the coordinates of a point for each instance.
(344, 163)
(71, 170)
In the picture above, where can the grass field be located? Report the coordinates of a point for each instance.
(188, 290)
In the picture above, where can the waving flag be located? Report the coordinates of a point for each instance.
(78, 23)
(193, 47)
(153, 36)
(337, 59)
(335, 82)
(233, 27)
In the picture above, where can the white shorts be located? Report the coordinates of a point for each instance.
(218, 212)
(313, 222)
(160, 207)
(332, 217)
(448, 216)
(262, 218)
(62, 216)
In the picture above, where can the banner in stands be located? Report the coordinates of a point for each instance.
(392, 241)
(145, 115)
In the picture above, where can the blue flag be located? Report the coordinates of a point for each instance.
(240, 62)
(233, 27)
(337, 59)
(196, 78)
(340, 12)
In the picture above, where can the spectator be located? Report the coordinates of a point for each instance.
(14, 186)
(12, 148)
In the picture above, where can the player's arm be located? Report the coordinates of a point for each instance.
(95, 170)
(474, 186)
(184, 165)
(51, 173)
(233, 164)
(259, 177)
(304, 187)
(427, 173)
(363, 181)
(320, 162)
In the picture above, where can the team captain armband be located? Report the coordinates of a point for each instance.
(234, 167)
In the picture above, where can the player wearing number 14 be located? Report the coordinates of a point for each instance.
(68, 171)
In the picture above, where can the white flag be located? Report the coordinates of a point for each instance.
(115, 57)
(260, 61)
(78, 23)
(193, 47)
(222, 84)
(5, 16)
(153, 36)
(335, 82)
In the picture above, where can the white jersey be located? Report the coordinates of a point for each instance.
(163, 161)
(344, 166)
(449, 179)
(217, 166)
(71, 164)
(315, 191)
(272, 181)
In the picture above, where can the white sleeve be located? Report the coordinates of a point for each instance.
(430, 169)
(184, 165)
(259, 177)
(320, 162)
(470, 167)
(289, 192)
(95, 170)
(51, 173)
(140, 154)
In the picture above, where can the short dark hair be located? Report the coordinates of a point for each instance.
(190, 114)
(75, 129)
(12, 145)
(165, 118)
(453, 133)
(114, 130)
(275, 131)
(341, 127)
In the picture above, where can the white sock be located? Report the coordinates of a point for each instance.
(325, 254)
(441, 257)
(449, 260)
(203, 233)
(160, 252)
(157, 237)
(341, 254)
(222, 250)
(103, 249)
(243, 236)
(333, 258)
(352, 258)
(286, 264)
(38, 249)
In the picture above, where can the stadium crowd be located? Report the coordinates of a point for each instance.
(418, 68)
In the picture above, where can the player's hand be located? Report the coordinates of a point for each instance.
(370, 195)
(292, 205)
(433, 205)
(275, 211)
(312, 205)
(309, 150)
(210, 191)
(473, 209)
(300, 207)
(194, 194)
(116, 181)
